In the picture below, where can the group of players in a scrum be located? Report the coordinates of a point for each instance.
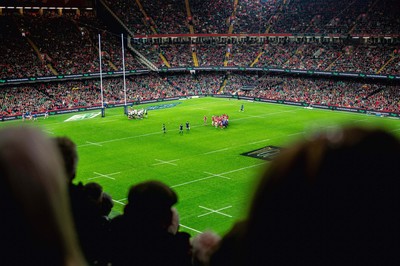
(137, 114)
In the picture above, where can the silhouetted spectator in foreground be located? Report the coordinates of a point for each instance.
(147, 232)
(91, 223)
(36, 226)
(330, 200)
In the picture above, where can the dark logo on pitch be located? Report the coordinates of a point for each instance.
(267, 153)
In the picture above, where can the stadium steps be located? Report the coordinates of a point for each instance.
(310, 25)
(141, 58)
(111, 64)
(268, 28)
(374, 92)
(173, 85)
(164, 60)
(227, 54)
(235, 5)
(295, 53)
(257, 59)
(223, 84)
(195, 61)
(189, 15)
(38, 53)
(52, 69)
(358, 18)
(145, 15)
(386, 64)
(331, 64)
(116, 18)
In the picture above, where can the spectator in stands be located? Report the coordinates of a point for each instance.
(147, 232)
(87, 207)
(328, 200)
(37, 225)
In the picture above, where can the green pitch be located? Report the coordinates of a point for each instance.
(205, 167)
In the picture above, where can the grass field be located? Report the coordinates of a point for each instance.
(213, 180)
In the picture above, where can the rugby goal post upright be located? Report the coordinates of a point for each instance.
(123, 70)
(103, 113)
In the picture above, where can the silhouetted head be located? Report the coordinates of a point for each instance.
(36, 226)
(151, 202)
(331, 199)
(69, 155)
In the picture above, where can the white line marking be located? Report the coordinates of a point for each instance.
(215, 211)
(166, 162)
(187, 227)
(94, 143)
(107, 121)
(132, 137)
(216, 175)
(259, 141)
(298, 133)
(208, 177)
(256, 116)
(104, 175)
(119, 202)
(359, 120)
(155, 133)
(216, 151)
(193, 181)
(49, 132)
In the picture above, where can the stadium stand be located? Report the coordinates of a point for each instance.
(322, 53)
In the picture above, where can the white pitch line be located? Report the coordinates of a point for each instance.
(294, 134)
(193, 181)
(216, 151)
(208, 177)
(166, 162)
(187, 227)
(359, 120)
(113, 140)
(106, 176)
(256, 116)
(94, 143)
(119, 202)
(49, 132)
(155, 133)
(259, 141)
(243, 168)
(107, 121)
(224, 208)
(215, 211)
(217, 175)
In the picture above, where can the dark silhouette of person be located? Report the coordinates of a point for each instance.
(142, 235)
(36, 226)
(87, 207)
(332, 199)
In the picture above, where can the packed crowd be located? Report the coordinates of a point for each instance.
(67, 44)
(47, 44)
(330, 92)
(350, 94)
(335, 56)
(295, 16)
(18, 58)
(132, 16)
(211, 16)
